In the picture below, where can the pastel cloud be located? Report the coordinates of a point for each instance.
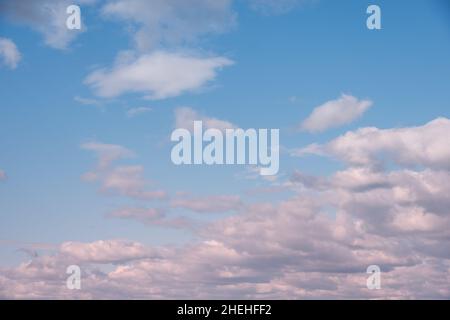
(123, 180)
(112, 251)
(107, 153)
(9, 53)
(151, 216)
(185, 117)
(425, 145)
(335, 113)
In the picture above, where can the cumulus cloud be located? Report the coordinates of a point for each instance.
(316, 243)
(335, 113)
(185, 117)
(48, 17)
(9, 53)
(295, 248)
(157, 75)
(111, 251)
(425, 145)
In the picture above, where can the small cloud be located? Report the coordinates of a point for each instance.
(293, 99)
(9, 53)
(335, 113)
(87, 101)
(133, 112)
(151, 216)
(274, 7)
(185, 117)
(107, 153)
(2, 175)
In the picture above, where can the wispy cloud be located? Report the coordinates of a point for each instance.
(9, 53)
(133, 112)
(335, 113)
(45, 16)
(123, 180)
(185, 117)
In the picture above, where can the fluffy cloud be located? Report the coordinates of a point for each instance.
(45, 16)
(9, 53)
(112, 251)
(425, 145)
(185, 117)
(157, 75)
(291, 249)
(335, 113)
(171, 22)
(2, 175)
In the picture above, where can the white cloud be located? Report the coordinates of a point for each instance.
(335, 113)
(425, 145)
(105, 251)
(157, 75)
(185, 117)
(162, 23)
(133, 112)
(45, 16)
(290, 249)
(9, 53)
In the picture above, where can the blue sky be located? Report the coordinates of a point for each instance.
(285, 64)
